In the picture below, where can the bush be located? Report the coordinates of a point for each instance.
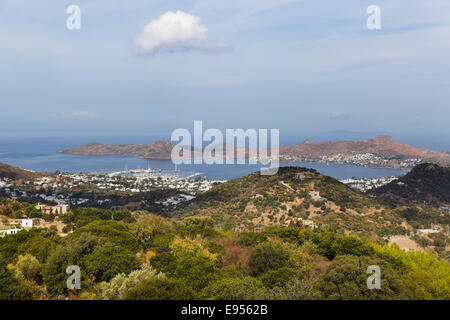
(29, 267)
(190, 261)
(109, 260)
(232, 289)
(11, 288)
(346, 278)
(193, 226)
(268, 256)
(161, 289)
(278, 278)
(120, 284)
(294, 289)
(115, 232)
(72, 252)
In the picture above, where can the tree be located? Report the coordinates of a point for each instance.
(279, 277)
(11, 288)
(430, 276)
(330, 245)
(29, 267)
(153, 232)
(294, 289)
(271, 255)
(232, 289)
(190, 261)
(115, 232)
(193, 226)
(161, 289)
(346, 279)
(120, 284)
(72, 252)
(109, 260)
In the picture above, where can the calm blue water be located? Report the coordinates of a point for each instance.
(41, 154)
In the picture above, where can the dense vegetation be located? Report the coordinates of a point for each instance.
(245, 239)
(425, 183)
(296, 194)
(155, 258)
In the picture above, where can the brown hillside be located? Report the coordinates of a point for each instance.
(13, 173)
(157, 150)
(382, 145)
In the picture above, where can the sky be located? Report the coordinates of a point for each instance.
(148, 67)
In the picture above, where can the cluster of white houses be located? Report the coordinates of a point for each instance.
(24, 223)
(30, 223)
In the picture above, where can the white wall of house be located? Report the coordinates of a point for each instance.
(58, 209)
(27, 223)
(9, 231)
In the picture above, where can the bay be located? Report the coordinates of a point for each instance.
(41, 154)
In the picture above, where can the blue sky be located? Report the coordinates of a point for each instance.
(300, 66)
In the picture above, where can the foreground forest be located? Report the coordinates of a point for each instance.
(153, 258)
(295, 235)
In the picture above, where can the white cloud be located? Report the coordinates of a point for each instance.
(174, 31)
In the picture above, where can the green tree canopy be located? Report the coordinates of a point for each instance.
(161, 289)
(109, 260)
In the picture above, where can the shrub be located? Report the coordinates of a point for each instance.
(278, 278)
(115, 232)
(11, 288)
(232, 289)
(294, 289)
(72, 252)
(269, 255)
(109, 260)
(190, 261)
(120, 284)
(346, 278)
(193, 226)
(161, 289)
(29, 267)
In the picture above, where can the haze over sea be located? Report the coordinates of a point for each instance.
(41, 154)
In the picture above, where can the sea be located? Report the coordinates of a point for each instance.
(42, 154)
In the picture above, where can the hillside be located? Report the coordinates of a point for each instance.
(381, 151)
(157, 150)
(14, 173)
(426, 183)
(390, 150)
(193, 253)
(255, 201)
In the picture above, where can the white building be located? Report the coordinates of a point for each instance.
(27, 223)
(427, 231)
(308, 223)
(9, 231)
(58, 209)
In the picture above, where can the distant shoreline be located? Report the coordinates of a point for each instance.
(379, 152)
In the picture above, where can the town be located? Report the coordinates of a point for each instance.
(360, 159)
(75, 189)
(365, 184)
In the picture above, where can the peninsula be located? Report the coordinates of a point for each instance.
(379, 152)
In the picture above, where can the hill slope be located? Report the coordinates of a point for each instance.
(425, 183)
(13, 173)
(381, 151)
(157, 150)
(382, 145)
(255, 201)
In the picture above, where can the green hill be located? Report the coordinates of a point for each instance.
(255, 201)
(426, 183)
